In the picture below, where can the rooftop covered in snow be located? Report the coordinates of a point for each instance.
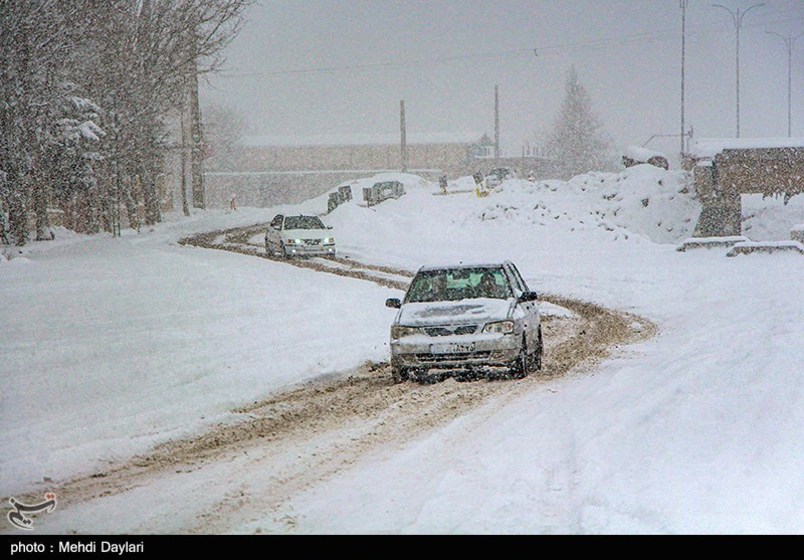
(709, 147)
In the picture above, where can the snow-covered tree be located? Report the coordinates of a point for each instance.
(36, 36)
(72, 158)
(133, 59)
(577, 140)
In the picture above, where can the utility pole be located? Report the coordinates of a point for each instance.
(683, 4)
(496, 122)
(789, 42)
(737, 19)
(404, 142)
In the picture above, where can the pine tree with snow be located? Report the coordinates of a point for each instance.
(577, 140)
(73, 153)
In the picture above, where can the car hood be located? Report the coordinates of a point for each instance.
(306, 233)
(467, 311)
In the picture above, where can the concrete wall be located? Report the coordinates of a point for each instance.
(768, 171)
(360, 157)
(720, 181)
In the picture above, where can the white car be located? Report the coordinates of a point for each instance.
(297, 236)
(466, 317)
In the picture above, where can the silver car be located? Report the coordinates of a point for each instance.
(298, 236)
(479, 317)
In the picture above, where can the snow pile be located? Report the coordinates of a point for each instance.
(13, 261)
(642, 200)
(770, 218)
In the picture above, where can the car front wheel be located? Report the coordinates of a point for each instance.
(537, 355)
(522, 365)
(400, 374)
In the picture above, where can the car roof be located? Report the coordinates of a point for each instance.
(462, 265)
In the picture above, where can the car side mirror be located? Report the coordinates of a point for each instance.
(329, 227)
(393, 302)
(528, 296)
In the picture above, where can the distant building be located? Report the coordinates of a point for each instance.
(271, 170)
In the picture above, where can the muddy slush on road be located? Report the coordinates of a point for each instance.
(309, 433)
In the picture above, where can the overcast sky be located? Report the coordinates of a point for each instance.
(305, 68)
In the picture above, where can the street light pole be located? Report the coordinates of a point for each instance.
(789, 41)
(683, 4)
(737, 18)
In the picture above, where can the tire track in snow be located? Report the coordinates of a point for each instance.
(237, 241)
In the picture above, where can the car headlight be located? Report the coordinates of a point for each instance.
(329, 240)
(398, 331)
(502, 327)
(294, 242)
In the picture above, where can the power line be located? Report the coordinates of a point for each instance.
(383, 65)
(525, 53)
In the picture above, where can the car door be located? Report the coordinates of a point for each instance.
(272, 241)
(530, 308)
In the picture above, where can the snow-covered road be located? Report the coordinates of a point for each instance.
(299, 438)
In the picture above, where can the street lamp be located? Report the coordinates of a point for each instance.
(789, 41)
(683, 4)
(737, 18)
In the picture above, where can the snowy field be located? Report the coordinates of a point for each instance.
(110, 346)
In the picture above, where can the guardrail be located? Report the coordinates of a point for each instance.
(381, 192)
(344, 194)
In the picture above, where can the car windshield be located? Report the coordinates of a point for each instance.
(303, 222)
(458, 284)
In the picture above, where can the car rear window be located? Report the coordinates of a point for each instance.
(458, 284)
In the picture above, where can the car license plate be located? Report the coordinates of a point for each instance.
(454, 348)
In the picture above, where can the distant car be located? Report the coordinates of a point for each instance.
(636, 155)
(291, 236)
(498, 175)
(466, 316)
